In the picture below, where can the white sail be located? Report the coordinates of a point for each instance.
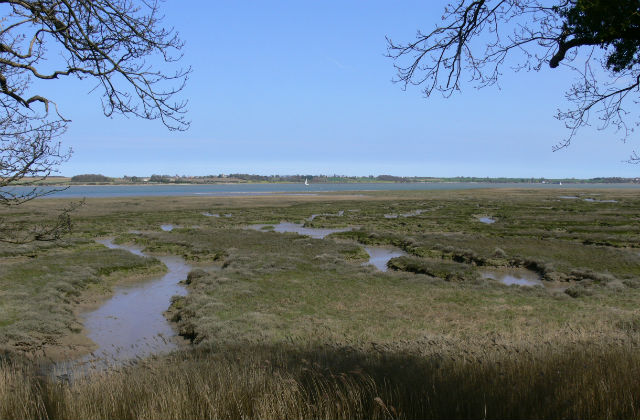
(306, 182)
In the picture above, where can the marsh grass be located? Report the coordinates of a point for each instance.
(327, 382)
(41, 291)
(447, 270)
(284, 326)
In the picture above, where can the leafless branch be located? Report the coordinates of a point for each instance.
(478, 37)
(119, 44)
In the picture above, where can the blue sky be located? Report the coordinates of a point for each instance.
(304, 87)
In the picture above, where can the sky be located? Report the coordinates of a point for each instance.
(301, 87)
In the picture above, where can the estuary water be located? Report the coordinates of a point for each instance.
(95, 191)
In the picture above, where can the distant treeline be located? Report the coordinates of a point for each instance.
(242, 178)
(90, 178)
(600, 180)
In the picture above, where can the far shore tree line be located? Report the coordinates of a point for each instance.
(246, 178)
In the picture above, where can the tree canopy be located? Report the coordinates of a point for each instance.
(598, 39)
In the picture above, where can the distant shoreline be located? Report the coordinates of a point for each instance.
(254, 189)
(367, 181)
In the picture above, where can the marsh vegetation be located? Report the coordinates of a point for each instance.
(284, 325)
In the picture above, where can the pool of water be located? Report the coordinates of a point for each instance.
(487, 220)
(167, 227)
(379, 256)
(593, 200)
(517, 276)
(298, 228)
(131, 323)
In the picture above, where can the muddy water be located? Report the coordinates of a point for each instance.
(131, 324)
(380, 256)
(593, 200)
(486, 220)
(518, 276)
(298, 228)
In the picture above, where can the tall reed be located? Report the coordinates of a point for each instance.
(324, 382)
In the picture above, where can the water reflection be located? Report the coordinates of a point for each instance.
(298, 228)
(517, 276)
(380, 256)
(131, 325)
(487, 220)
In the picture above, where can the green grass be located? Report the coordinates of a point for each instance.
(40, 292)
(288, 326)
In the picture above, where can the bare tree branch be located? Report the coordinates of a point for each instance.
(116, 43)
(477, 37)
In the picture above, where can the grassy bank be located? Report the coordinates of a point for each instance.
(44, 286)
(289, 326)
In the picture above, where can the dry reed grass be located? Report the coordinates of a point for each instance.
(325, 382)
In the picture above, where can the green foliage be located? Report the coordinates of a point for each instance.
(610, 24)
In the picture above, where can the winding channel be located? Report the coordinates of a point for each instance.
(379, 256)
(131, 324)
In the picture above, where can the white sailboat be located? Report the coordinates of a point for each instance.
(306, 182)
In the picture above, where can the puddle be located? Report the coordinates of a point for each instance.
(486, 220)
(228, 215)
(568, 197)
(298, 228)
(413, 213)
(206, 213)
(593, 200)
(131, 324)
(380, 256)
(167, 227)
(391, 216)
(520, 277)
